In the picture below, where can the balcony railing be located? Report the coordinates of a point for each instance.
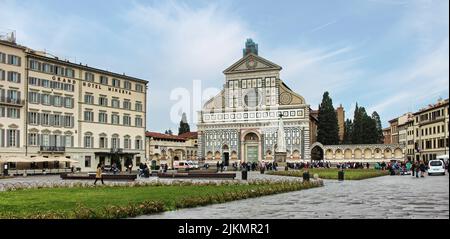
(116, 150)
(11, 101)
(53, 149)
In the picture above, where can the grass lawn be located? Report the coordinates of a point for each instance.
(332, 173)
(125, 201)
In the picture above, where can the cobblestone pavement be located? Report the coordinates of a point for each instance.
(382, 197)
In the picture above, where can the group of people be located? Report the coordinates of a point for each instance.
(247, 166)
(144, 171)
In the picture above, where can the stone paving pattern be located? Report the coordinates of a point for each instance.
(382, 197)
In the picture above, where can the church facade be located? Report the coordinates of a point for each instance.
(241, 123)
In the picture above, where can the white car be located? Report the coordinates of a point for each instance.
(436, 167)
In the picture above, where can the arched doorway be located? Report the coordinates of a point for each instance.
(251, 147)
(226, 155)
(317, 152)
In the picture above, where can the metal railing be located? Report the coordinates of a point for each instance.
(11, 101)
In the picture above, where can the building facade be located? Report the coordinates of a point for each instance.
(240, 123)
(52, 107)
(365, 153)
(166, 148)
(431, 130)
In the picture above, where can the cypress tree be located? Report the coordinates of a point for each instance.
(327, 128)
(348, 130)
(184, 126)
(379, 129)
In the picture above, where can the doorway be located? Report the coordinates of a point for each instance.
(226, 158)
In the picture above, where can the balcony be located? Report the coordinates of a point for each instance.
(53, 149)
(116, 150)
(11, 101)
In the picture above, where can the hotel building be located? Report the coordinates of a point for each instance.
(51, 107)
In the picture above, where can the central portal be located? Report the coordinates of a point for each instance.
(251, 148)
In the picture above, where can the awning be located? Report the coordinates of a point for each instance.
(38, 159)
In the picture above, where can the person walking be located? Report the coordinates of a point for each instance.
(422, 169)
(98, 174)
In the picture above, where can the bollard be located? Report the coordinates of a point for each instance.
(244, 175)
(341, 175)
(306, 176)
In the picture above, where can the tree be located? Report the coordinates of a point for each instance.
(348, 130)
(357, 126)
(379, 131)
(169, 131)
(184, 126)
(327, 128)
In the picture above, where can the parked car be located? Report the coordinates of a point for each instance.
(436, 166)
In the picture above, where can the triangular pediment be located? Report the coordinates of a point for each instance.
(251, 63)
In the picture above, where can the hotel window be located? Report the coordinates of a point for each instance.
(14, 60)
(102, 117)
(56, 120)
(87, 161)
(69, 140)
(34, 97)
(45, 98)
(127, 142)
(57, 101)
(59, 70)
(32, 139)
(12, 138)
(103, 80)
(33, 81)
(115, 103)
(138, 144)
(13, 113)
(88, 141)
(68, 121)
(115, 119)
(13, 77)
(2, 74)
(33, 118)
(127, 85)
(126, 120)
(138, 106)
(89, 116)
(103, 101)
(45, 83)
(69, 87)
(89, 99)
(45, 119)
(70, 73)
(89, 77)
(47, 68)
(115, 82)
(34, 65)
(103, 142)
(68, 102)
(127, 104)
(139, 88)
(138, 121)
(2, 57)
(115, 142)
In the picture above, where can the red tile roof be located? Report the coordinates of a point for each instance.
(163, 136)
(189, 135)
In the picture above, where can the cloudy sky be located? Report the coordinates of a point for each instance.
(391, 56)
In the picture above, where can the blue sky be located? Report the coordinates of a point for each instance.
(391, 56)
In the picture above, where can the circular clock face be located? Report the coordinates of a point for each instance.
(251, 63)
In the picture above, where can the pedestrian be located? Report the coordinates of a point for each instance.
(98, 174)
(5, 169)
(422, 169)
(367, 165)
(413, 168)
